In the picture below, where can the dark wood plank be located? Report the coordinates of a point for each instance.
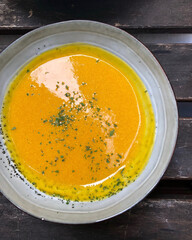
(6, 40)
(150, 219)
(128, 14)
(174, 58)
(180, 165)
(176, 62)
(185, 109)
(172, 189)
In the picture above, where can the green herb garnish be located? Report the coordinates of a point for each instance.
(111, 133)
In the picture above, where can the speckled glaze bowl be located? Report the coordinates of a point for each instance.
(23, 194)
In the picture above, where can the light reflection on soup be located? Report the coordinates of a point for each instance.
(79, 123)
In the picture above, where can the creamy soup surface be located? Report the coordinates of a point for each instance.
(79, 123)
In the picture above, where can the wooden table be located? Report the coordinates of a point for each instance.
(165, 27)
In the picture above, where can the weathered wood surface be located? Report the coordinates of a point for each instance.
(19, 14)
(185, 109)
(175, 59)
(167, 212)
(180, 165)
(172, 189)
(150, 219)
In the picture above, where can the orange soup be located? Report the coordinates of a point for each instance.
(79, 123)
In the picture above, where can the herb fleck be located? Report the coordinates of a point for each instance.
(111, 133)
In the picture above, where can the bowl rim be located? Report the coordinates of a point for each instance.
(173, 114)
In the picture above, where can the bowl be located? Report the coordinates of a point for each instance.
(23, 194)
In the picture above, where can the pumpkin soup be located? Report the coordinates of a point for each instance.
(78, 123)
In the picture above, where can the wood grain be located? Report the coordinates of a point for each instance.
(172, 189)
(174, 58)
(150, 219)
(185, 109)
(127, 14)
(176, 62)
(180, 165)
(160, 216)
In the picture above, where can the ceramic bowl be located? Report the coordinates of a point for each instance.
(19, 191)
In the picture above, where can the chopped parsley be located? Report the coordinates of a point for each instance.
(111, 133)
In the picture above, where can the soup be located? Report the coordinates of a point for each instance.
(78, 123)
